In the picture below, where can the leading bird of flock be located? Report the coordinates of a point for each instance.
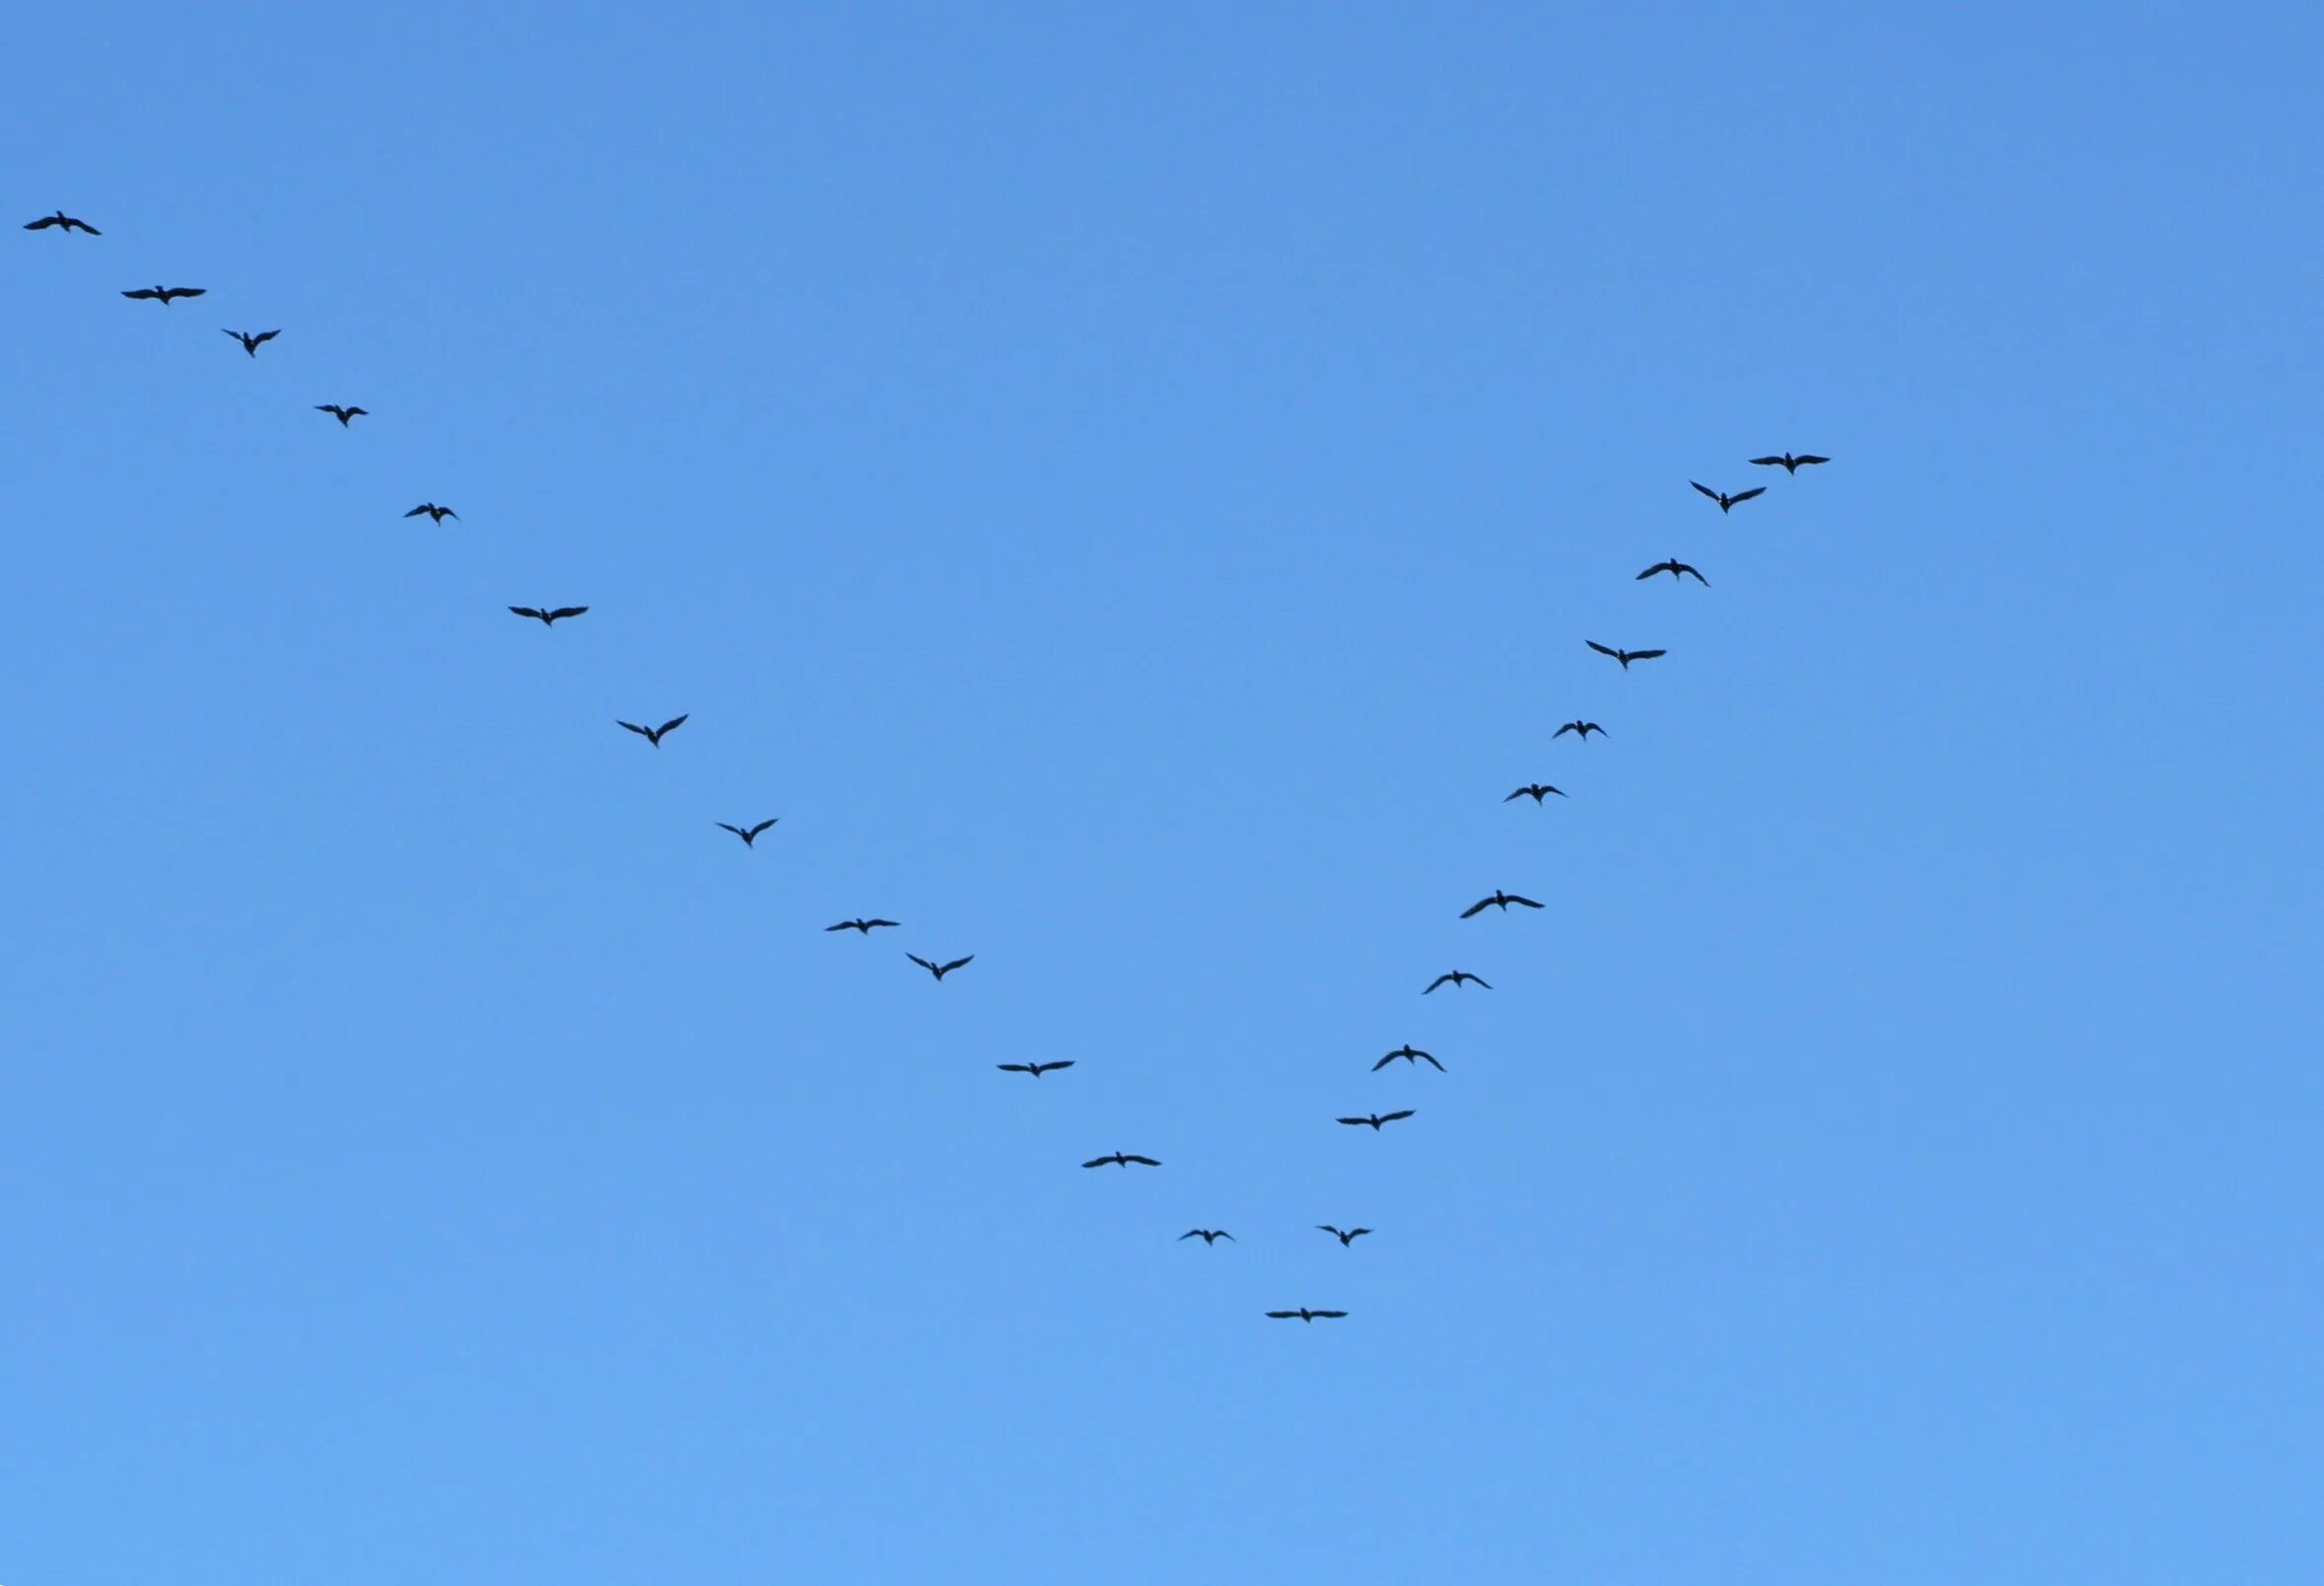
(866, 926)
(1537, 791)
(1787, 462)
(748, 834)
(1208, 1236)
(1376, 1120)
(345, 415)
(1626, 656)
(1304, 1314)
(1410, 1055)
(1581, 729)
(1679, 573)
(163, 294)
(550, 617)
(64, 220)
(1121, 1159)
(1727, 502)
(436, 513)
(652, 735)
(1034, 1069)
(1501, 901)
(1345, 1237)
(1456, 979)
(940, 971)
(250, 344)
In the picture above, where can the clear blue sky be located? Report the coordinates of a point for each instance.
(1130, 494)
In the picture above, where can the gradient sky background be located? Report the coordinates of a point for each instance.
(1130, 494)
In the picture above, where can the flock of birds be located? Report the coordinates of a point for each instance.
(550, 616)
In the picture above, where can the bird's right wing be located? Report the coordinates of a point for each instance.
(633, 727)
(957, 963)
(1326, 1313)
(1014, 1068)
(1433, 1063)
(1097, 1162)
(1062, 1062)
(1601, 649)
(1773, 462)
(1562, 731)
(1800, 460)
(1353, 1120)
(1390, 1117)
(1383, 1062)
(1746, 495)
(922, 962)
(1433, 984)
(1649, 572)
(143, 292)
(1281, 1315)
(1476, 907)
(1705, 489)
(576, 611)
(536, 612)
(673, 722)
(1145, 1161)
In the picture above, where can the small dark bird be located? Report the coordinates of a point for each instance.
(345, 415)
(163, 294)
(1537, 791)
(1304, 1314)
(748, 834)
(1500, 899)
(867, 926)
(1346, 1239)
(1410, 1054)
(60, 218)
(1726, 501)
(1679, 573)
(1121, 1159)
(940, 971)
(1626, 656)
(547, 615)
(1787, 462)
(1034, 1069)
(653, 735)
(1583, 728)
(1457, 978)
(432, 512)
(1208, 1236)
(1376, 1120)
(250, 344)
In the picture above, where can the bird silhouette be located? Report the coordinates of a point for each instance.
(1787, 462)
(1457, 978)
(940, 971)
(1581, 729)
(748, 834)
(654, 735)
(164, 294)
(547, 615)
(1346, 1238)
(1501, 901)
(1121, 1159)
(1208, 1236)
(64, 220)
(1304, 1314)
(1626, 656)
(1726, 501)
(1537, 791)
(432, 512)
(1679, 573)
(1034, 1069)
(1410, 1054)
(866, 926)
(250, 344)
(1376, 1120)
(345, 415)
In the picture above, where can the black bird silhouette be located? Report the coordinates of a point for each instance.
(250, 343)
(653, 735)
(1347, 1237)
(1582, 728)
(1457, 978)
(867, 926)
(60, 218)
(1303, 1314)
(163, 294)
(1376, 1120)
(1410, 1054)
(1121, 1159)
(1679, 573)
(548, 615)
(345, 415)
(432, 512)
(1726, 501)
(1208, 1236)
(940, 971)
(1500, 899)
(1626, 656)
(1034, 1069)
(1538, 791)
(748, 834)
(1787, 462)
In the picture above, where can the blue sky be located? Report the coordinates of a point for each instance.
(1129, 494)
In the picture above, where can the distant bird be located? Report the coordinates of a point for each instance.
(60, 218)
(1726, 501)
(163, 294)
(1348, 1238)
(250, 344)
(547, 615)
(1626, 656)
(1410, 1054)
(1034, 1069)
(1208, 1236)
(1787, 462)
(1501, 901)
(1121, 1159)
(345, 415)
(867, 926)
(1457, 978)
(748, 834)
(1582, 728)
(1679, 573)
(1304, 1314)
(432, 512)
(653, 735)
(940, 971)
(1537, 791)
(1376, 1120)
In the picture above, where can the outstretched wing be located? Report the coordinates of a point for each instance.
(1097, 1162)
(1195, 1233)
(415, 512)
(844, 925)
(1520, 793)
(1016, 1068)
(1143, 1160)
(538, 614)
(1326, 1313)
(143, 292)
(879, 922)
(1646, 655)
(1476, 908)
(1527, 902)
(266, 335)
(633, 727)
(1705, 489)
(1357, 1233)
(1062, 1062)
(922, 962)
(1651, 571)
(183, 291)
(1696, 576)
(1570, 727)
(1482, 980)
(673, 722)
(1390, 1117)
(1776, 462)
(736, 829)
(1798, 461)
(564, 611)
(1355, 1121)
(1383, 1063)
(761, 827)
(957, 963)
(1746, 495)
(1601, 649)
(1433, 1063)
(1281, 1315)
(44, 223)
(1431, 985)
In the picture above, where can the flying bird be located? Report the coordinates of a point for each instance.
(1034, 1069)
(940, 971)
(653, 735)
(1376, 1120)
(867, 926)
(1626, 656)
(748, 834)
(60, 218)
(1537, 791)
(345, 415)
(163, 294)
(1500, 899)
(1304, 1314)
(1787, 462)
(432, 512)
(1347, 1237)
(1457, 978)
(1726, 501)
(548, 616)
(1582, 728)
(1208, 1236)
(250, 343)
(1679, 573)
(1121, 1159)
(1410, 1054)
